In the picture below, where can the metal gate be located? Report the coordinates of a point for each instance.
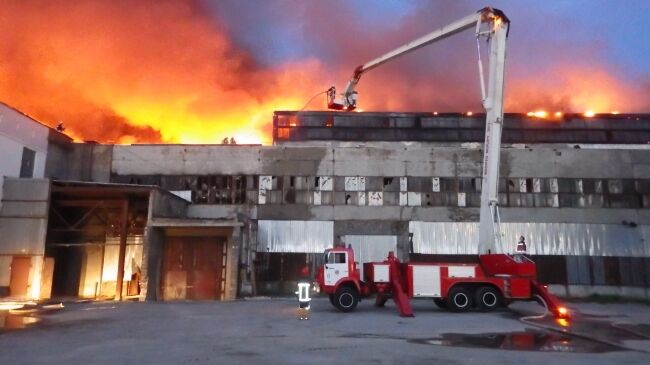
(194, 268)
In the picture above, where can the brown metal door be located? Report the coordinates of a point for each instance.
(193, 268)
(175, 275)
(19, 280)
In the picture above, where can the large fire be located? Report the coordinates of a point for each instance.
(140, 71)
(164, 71)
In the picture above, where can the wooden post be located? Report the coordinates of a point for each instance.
(124, 230)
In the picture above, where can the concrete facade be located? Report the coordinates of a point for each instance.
(278, 192)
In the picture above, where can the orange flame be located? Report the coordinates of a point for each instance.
(154, 71)
(588, 89)
(144, 71)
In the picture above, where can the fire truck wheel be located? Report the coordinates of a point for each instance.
(346, 299)
(487, 298)
(459, 299)
(440, 303)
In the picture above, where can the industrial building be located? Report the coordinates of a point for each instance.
(174, 222)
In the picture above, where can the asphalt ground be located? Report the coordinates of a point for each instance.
(268, 331)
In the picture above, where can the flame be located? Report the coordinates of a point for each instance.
(538, 114)
(572, 88)
(144, 71)
(563, 322)
(153, 71)
(589, 113)
(497, 22)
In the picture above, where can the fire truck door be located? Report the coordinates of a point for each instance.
(336, 267)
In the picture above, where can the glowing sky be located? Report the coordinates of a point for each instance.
(195, 71)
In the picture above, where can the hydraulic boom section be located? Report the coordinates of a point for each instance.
(498, 278)
(491, 24)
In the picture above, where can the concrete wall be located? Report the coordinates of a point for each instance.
(394, 160)
(234, 243)
(154, 240)
(166, 205)
(399, 159)
(79, 161)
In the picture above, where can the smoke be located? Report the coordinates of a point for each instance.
(196, 72)
(554, 61)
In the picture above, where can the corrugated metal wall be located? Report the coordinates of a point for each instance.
(542, 238)
(294, 236)
(23, 218)
(370, 248)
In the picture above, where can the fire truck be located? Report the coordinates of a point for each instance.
(498, 277)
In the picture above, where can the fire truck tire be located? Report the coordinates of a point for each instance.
(487, 298)
(440, 303)
(346, 299)
(459, 299)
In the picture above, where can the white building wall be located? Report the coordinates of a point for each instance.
(17, 131)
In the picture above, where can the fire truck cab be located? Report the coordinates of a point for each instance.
(339, 277)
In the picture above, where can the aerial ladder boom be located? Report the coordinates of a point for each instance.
(491, 24)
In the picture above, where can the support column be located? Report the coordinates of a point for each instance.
(124, 230)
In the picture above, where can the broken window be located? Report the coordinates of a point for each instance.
(461, 200)
(355, 183)
(435, 184)
(403, 184)
(375, 198)
(27, 163)
(614, 186)
(326, 183)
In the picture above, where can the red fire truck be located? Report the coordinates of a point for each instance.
(493, 282)
(497, 278)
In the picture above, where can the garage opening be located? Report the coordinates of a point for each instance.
(194, 263)
(95, 239)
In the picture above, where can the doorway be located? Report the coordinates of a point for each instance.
(19, 279)
(194, 268)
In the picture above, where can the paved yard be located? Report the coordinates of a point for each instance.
(268, 331)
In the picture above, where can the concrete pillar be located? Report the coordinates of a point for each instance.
(232, 264)
(124, 231)
(151, 263)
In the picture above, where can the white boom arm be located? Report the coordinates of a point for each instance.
(493, 25)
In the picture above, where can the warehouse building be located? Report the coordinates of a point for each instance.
(217, 221)
(24, 146)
